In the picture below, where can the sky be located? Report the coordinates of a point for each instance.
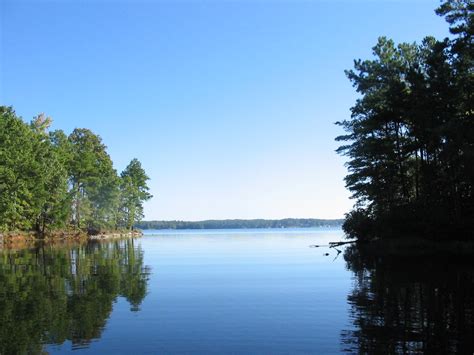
(229, 105)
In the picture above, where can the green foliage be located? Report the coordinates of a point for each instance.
(16, 163)
(358, 224)
(49, 180)
(94, 181)
(33, 182)
(134, 191)
(410, 139)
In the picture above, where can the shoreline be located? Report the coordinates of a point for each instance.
(19, 240)
(415, 247)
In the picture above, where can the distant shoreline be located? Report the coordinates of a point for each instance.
(241, 224)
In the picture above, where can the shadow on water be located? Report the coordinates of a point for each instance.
(409, 304)
(52, 294)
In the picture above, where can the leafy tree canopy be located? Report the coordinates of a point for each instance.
(49, 180)
(410, 138)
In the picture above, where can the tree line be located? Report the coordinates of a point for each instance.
(50, 180)
(241, 223)
(410, 138)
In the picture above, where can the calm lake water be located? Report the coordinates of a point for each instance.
(239, 292)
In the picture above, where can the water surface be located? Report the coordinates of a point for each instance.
(240, 292)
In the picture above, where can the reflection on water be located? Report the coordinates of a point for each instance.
(410, 304)
(52, 294)
(224, 292)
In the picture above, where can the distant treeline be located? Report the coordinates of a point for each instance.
(50, 180)
(410, 138)
(241, 223)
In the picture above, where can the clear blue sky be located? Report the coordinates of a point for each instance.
(228, 105)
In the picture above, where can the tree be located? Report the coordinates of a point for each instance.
(94, 181)
(16, 168)
(48, 180)
(410, 139)
(134, 191)
(49, 187)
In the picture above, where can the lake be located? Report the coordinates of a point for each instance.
(231, 291)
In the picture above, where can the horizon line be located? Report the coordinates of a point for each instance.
(240, 219)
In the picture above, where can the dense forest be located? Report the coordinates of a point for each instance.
(241, 223)
(51, 181)
(410, 138)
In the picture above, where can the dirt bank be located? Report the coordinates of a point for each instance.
(20, 239)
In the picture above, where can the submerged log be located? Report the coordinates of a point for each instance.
(333, 244)
(337, 244)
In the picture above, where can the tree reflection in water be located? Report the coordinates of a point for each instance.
(410, 304)
(52, 294)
